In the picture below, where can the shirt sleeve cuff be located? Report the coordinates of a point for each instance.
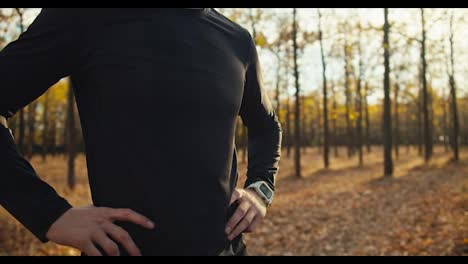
(251, 180)
(55, 211)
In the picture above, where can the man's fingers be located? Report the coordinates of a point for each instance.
(238, 215)
(254, 224)
(131, 216)
(91, 250)
(243, 225)
(122, 237)
(109, 246)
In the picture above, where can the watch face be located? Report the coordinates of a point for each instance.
(266, 191)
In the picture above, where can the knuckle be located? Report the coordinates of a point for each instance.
(127, 212)
(100, 221)
(243, 210)
(112, 248)
(249, 220)
(95, 232)
(81, 242)
(102, 210)
(236, 218)
(124, 237)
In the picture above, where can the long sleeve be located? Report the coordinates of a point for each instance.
(42, 55)
(264, 129)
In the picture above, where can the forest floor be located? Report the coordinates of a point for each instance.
(346, 210)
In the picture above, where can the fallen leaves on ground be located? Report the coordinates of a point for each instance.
(346, 210)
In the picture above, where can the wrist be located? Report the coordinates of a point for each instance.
(262, 191)
(257, 197)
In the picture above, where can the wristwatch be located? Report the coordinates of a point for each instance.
(263, 190)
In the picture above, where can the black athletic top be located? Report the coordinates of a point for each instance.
(158, 92)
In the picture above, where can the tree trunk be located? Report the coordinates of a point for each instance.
(419, 117)
(445, 126)
(453, 95)
(45, 121)
(396, 132)
(303, 126)
(288, 106)
(366, 110)
(359, 104)
(288, 127)
(326, 144)
(313, 126)
(349, 128)
(53, 137)
(71, 136)
(334, 125)
(455, 124)
(408, 135)
(427, 123)
(297, 108)
(278, 84)
(387, 116)
(31, 128)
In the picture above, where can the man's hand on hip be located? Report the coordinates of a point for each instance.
(248, 215)
(84, 228)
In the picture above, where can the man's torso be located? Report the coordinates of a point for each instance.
(159, 92)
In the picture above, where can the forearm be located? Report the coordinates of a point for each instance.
(29, 199)
(264, 151)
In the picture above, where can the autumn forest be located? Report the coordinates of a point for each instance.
(373, 105)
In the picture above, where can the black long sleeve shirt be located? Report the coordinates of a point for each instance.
(158, 93)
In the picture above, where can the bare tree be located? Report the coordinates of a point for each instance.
(425, 104)
(71, 136)
(297, 107)
(453, 95)
(396, 132)
(359, 99)
(387, 116)
(334, 121)
(45, 131)
(31, 129)
(326, 144)
(367, 117)
(347, 81)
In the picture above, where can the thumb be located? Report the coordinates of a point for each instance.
(235, 196)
